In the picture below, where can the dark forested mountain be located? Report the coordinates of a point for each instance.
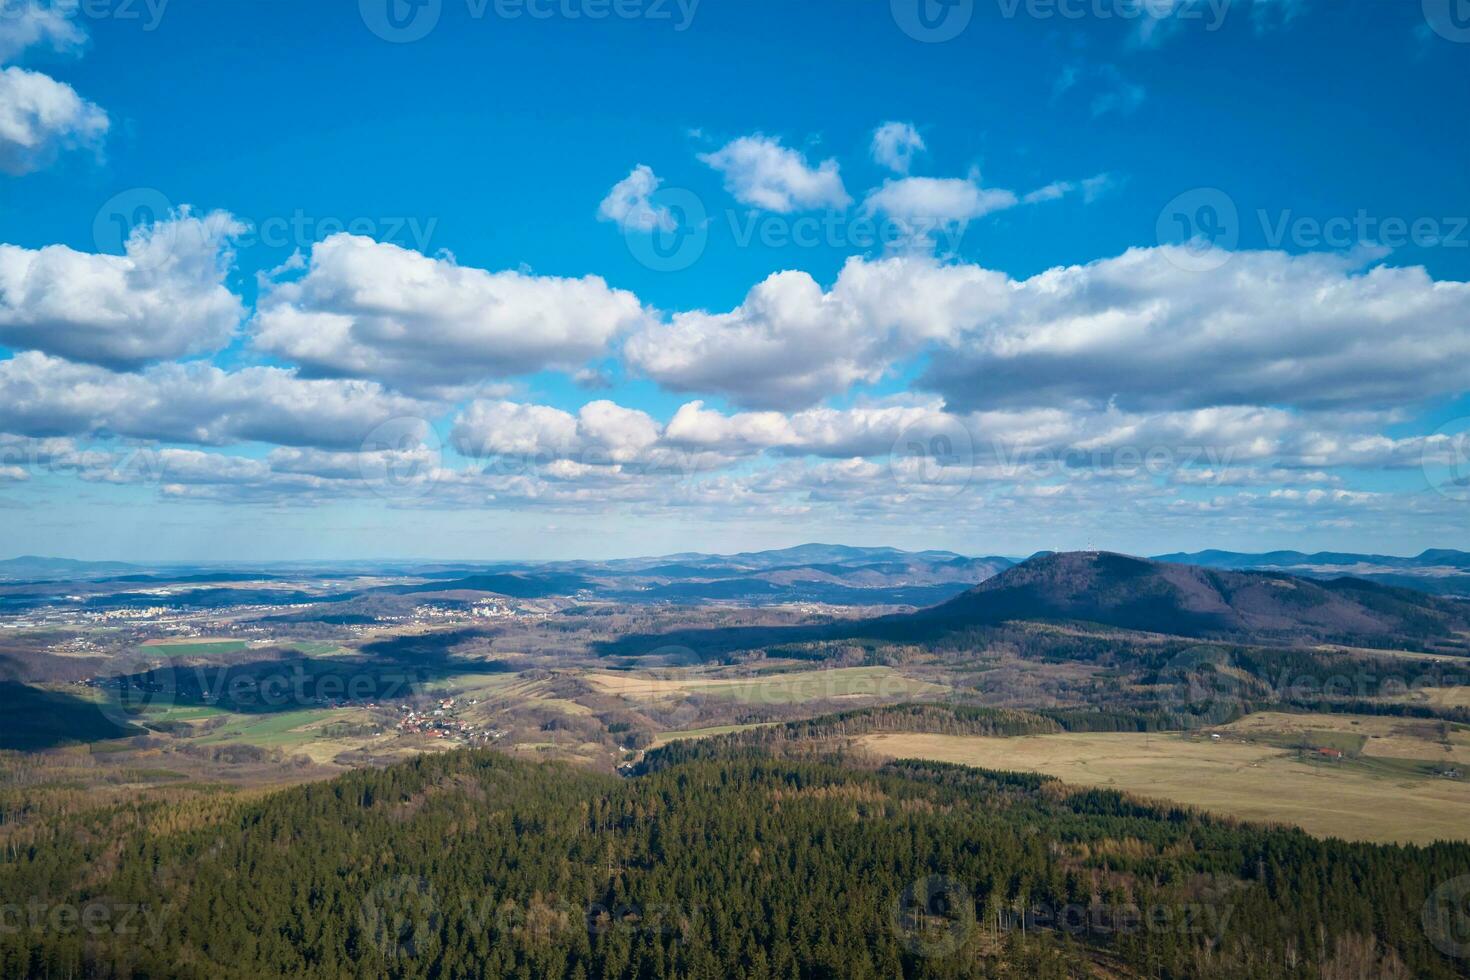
(1162, 597)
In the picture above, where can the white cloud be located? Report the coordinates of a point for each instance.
(759, 171)
(1091, 188)
(193, 403)
(40, 117)
(1141, 330)
(26, 23)
(829, 432)
(1265, 329)
(375, 310)
(924, 207)
(894, 146)
(165, 298)
(601, 431)
(1054, 191)
(789, 344)
(628, 204)
(785, 346)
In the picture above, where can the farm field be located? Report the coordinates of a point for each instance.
(288, 729)
(1249, 780)
(664, 738)
(793, 687)
(194, 648)
(1380, 736)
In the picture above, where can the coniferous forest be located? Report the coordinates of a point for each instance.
(738, 863)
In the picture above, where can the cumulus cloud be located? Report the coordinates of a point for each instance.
(828, 432)
(600, 431)
(784, 346)
(894, 146)
(194, 403)
(165, 298)
(1140, 330)
(789, 344)
(628, 204)
(374, 310)
(604, 434)
(40, 117)
(1267, 328)
(759, 171)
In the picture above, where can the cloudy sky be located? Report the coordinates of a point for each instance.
(583, 278)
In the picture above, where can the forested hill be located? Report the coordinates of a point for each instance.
(469, 864)
(1183, 600)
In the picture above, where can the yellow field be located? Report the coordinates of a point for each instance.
(784, 688)
(1249, 780)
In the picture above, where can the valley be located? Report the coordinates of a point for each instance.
(1125, 699)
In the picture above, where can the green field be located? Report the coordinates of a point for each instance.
(181, 712)
(273, 730)
(664, 738)
(318, 648)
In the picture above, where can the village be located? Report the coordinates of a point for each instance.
(443, 721)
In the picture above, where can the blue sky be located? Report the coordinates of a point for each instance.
(502, 359)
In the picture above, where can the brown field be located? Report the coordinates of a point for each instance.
(1248, 780)
(780, 688)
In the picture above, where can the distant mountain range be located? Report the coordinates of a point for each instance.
(818, 573)
(1440, 571)
(35, 567)
(1187, 600)
(1433, 558)
(815, 573)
